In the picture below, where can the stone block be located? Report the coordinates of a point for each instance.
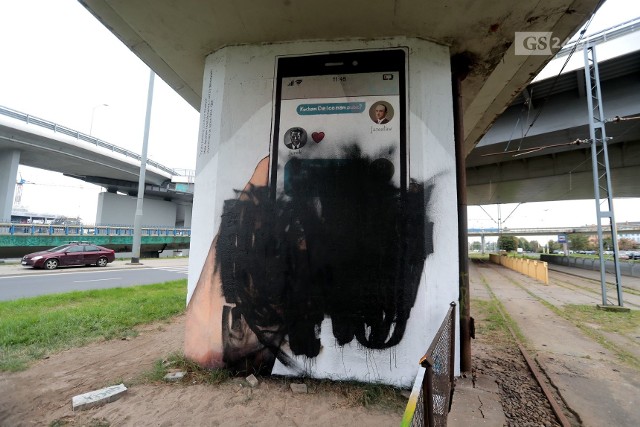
(97, 397)
(252, 380)
(298, 388)
(175, 376)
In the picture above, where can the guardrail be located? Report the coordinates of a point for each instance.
(607, 34)
(15, 229)
(29, 119)
(432, 393)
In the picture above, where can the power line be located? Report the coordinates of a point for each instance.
(555, 80)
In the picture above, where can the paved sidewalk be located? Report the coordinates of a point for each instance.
(591, 379)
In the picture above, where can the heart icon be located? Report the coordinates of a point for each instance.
(317, 136)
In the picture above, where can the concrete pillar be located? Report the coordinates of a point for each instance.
(117, 209)
(235, 129)
(9, 162)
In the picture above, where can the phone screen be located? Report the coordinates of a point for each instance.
(330, 105)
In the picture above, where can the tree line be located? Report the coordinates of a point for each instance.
(576, 242)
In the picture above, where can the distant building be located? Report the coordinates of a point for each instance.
(22, 216)
(635, 237)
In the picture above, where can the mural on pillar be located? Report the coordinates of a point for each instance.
(329, 233)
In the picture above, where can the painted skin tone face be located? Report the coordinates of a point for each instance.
(381, 112)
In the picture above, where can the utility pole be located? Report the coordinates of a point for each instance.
(137, 223)
(600, 164)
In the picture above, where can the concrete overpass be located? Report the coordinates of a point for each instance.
(496, 171)
(623, 228)
(506, 167)
(39, 143)
(175, 38)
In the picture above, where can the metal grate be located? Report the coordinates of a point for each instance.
(430, 399)
(441, 368)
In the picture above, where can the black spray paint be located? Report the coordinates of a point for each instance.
(343, 242)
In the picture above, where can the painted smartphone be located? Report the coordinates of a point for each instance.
(328, 106)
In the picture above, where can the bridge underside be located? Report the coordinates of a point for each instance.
(174, 38)
(563, 175)
(500, 169)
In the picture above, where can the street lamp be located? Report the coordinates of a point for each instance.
(93, 113)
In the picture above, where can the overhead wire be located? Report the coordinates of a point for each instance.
(555, 80)
(529, 102)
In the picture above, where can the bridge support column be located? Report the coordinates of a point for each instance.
(9, 162)
(338, 233)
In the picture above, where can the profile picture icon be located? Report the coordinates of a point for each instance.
(295, 138)
(381, 112)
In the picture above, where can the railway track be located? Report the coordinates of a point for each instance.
(592, 287)
(618, 345)
(557, 404)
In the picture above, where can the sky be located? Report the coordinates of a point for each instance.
(60, 64)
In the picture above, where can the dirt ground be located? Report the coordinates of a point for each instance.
(42, 394)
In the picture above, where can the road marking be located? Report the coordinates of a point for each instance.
(180, 270)
(77, 270)
(96, 280)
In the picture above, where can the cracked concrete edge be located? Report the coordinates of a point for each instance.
(476, 405)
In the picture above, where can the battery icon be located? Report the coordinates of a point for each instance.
(387, 77)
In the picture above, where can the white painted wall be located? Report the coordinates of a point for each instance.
(118, 209)
(235, 135)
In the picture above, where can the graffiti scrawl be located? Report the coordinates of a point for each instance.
(341, 242)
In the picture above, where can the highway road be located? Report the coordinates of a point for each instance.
(19, 282)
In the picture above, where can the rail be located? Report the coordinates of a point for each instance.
(16, 229)
(432, 393)
(29, 119)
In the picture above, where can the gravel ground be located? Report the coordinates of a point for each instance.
(522, 399)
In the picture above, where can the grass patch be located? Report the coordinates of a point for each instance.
(608, 321)
(69, 421)
(479, 255)
(33, 327)
(499, 315)
(195, 374)
(491, 326)
(354, 393)
(582, 317)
